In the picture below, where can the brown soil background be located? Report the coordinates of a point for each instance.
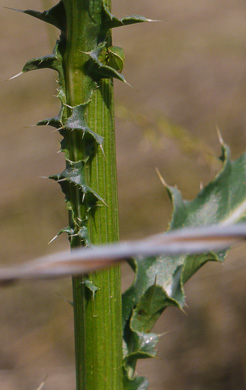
(188, 74)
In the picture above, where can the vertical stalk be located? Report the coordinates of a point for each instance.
(86, 62)
(97, 299)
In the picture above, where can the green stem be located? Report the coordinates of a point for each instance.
(97, 315)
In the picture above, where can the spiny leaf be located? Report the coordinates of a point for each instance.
(54, 122)
(76, 121)
(146, 349)
(83, 235)
(98, 69)
(111, 21)
(67, 230)
(50, 61)
(159, 280)
(150, 307)
(222, 201)
(91, 287)
(55, 15)
(74, 174)
(116, 58)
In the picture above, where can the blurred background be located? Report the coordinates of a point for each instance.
(188, 73)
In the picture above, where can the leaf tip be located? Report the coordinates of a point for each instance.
(162, 180)
(43, 177)
(53, 239)
(102, 150)
(42, 384)
(153, 20)
(221, 141)
(15, 76)
(13, 9)
(128, 84)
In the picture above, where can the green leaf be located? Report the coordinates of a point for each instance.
(91, 287)
(55, 16)
(76, 122)
(54, 122)
(111, 21)
(74, 174)
(137, 383)
(50, 61)
(116, 58)
(68, 230)
(99, 68)
(159, 280)
(83, 235)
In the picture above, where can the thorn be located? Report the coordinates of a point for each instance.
(17, 75)
(76, 223)
(42, 384)
(85, 52)
(43, 177)
(201, 186)
(101, 147)
(128, 84)
(60, 180)
(53, 239)
(183, 311)
(28, 126)
(83, 197)
(157, 357)
(66, 300)
(103, 201)
(13, 9)
(221, 141)
(153, 20)
(46, 124)
(161, 178)
(163, 334)
(67, 105)
(55, 130)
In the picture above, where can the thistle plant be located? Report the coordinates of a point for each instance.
(86, 63)
(109, 339)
